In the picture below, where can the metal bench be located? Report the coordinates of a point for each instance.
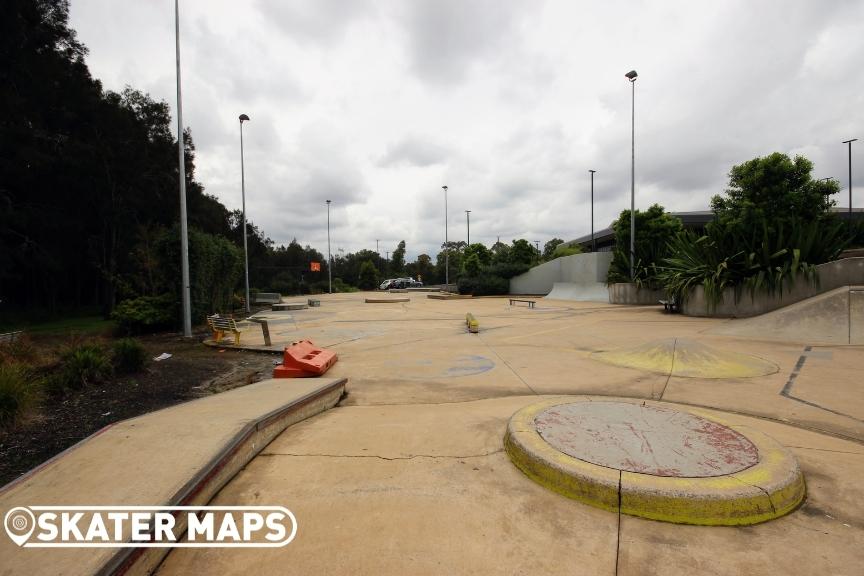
(669, 305)
(471, 323)
(221, 325)
(529, 302)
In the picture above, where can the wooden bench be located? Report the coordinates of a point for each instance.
(669, 305)
(266, 298)
(529, 302)
(10, 337)
(221, 325)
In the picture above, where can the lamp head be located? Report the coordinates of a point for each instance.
(592, 171)
(244, 118)
(631, 75)
(328, 201)
(444, 187)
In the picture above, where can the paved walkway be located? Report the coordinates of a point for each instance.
(408, 474)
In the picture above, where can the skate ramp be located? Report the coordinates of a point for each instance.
(595, 292)
(835, 317)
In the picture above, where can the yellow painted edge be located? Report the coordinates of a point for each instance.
(737, 499)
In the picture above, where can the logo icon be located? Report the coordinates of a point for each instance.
(19, 523)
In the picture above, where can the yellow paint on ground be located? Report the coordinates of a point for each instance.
(687, 358)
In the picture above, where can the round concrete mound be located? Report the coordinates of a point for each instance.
(688, 359)
(650, 460)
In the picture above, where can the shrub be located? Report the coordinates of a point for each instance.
(654, 229)
(484, 285)
(561, 251)
(18, 392)
(145, 314)
(80, 366)
(128, 356)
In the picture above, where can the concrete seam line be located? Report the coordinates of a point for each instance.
(125, 559)
(388, 458)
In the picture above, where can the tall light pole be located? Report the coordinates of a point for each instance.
(849, 142)
(446, 247)
(329, 257)
(244, 118)
(593, 242)
(632, 77)
(184, 231)
(468, 224)
(376, 247)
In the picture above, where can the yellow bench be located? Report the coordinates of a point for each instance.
(221, 325)
(471, 322)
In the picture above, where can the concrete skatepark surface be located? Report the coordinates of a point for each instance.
(408, 474)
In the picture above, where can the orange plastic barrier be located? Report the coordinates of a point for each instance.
(304, 360)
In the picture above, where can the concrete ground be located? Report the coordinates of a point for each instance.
(408, 474)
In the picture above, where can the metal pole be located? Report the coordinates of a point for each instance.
(593, 242)
(468, 220)
(376, 247)
(329, 257)
(446, 247)
(243, 192)
(849, 142)
(633, 183)
(184, 231)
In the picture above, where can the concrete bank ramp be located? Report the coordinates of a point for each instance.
(835, 317)
(593, 292)
(178, 456)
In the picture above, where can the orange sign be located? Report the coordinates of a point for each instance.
(316, 266)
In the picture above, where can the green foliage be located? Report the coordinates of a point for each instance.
(550, 247)
(215, 270)
(773, 192)
(522, 253)
(484, 255)
(397, 259)
(654, 228)
(369, 278)
(770, 261)
(561, 251)
(128, 356)
(771, 230)
(19, 391)
(484, 285)
(80, 366)
(471, 265)
(340, 286)
(146, 314)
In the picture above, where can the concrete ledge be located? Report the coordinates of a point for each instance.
(771, 488)
(627, 293)
(182, 455)
(290, 306)
(449, 296)
(386, 300)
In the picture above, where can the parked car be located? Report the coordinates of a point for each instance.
(387, 284)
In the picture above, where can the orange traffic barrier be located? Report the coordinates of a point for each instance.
(304, 360)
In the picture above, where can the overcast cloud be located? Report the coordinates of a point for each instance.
(375, 104)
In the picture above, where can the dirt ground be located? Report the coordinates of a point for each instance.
(193, 370)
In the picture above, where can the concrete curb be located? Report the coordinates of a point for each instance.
(386, 300)
(769, 489)
(236, 453)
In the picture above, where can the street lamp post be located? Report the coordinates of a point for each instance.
(446, 247)
(849, 142)
(468, 224)
(244, 118)
(376, 247)
(593, 242)
(329, 257)
(632, 77)
(184, 230)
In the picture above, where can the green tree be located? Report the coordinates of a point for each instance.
(654, 229)
(773, 191)
(368, 278)
(522, 253)
(397, 259)
(549, 248)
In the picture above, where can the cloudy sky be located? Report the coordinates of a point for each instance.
(375, 104)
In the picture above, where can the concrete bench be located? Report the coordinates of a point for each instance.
(266, 298)
(530, 303)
